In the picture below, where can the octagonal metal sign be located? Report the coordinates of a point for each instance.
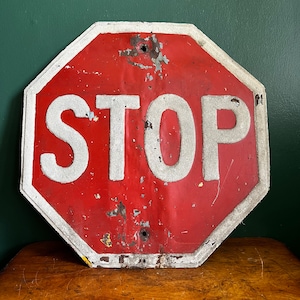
(144, 145)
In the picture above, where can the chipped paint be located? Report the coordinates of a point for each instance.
(158, 62)
(145, 223)
(105, 259)
(148, 125)
(119, 210)
(106, 240)
(90, 115)
(96, 118)
(259, 99)
(122, 258)
(148, 77)
(97, 196)
(136, 212)
(149, 47)
(236, 101)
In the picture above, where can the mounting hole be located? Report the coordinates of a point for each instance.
(144, 234)
(144, 48)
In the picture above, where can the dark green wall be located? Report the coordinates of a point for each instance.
(262, 36)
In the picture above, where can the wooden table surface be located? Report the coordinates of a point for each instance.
(242, 268)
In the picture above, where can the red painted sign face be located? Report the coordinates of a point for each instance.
(143, 143)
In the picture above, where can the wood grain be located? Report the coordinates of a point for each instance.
(242, 268)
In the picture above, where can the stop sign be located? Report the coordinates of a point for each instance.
(144, 145)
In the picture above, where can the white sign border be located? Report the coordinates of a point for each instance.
(221, 232)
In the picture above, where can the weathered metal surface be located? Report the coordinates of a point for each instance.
(144, 145)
